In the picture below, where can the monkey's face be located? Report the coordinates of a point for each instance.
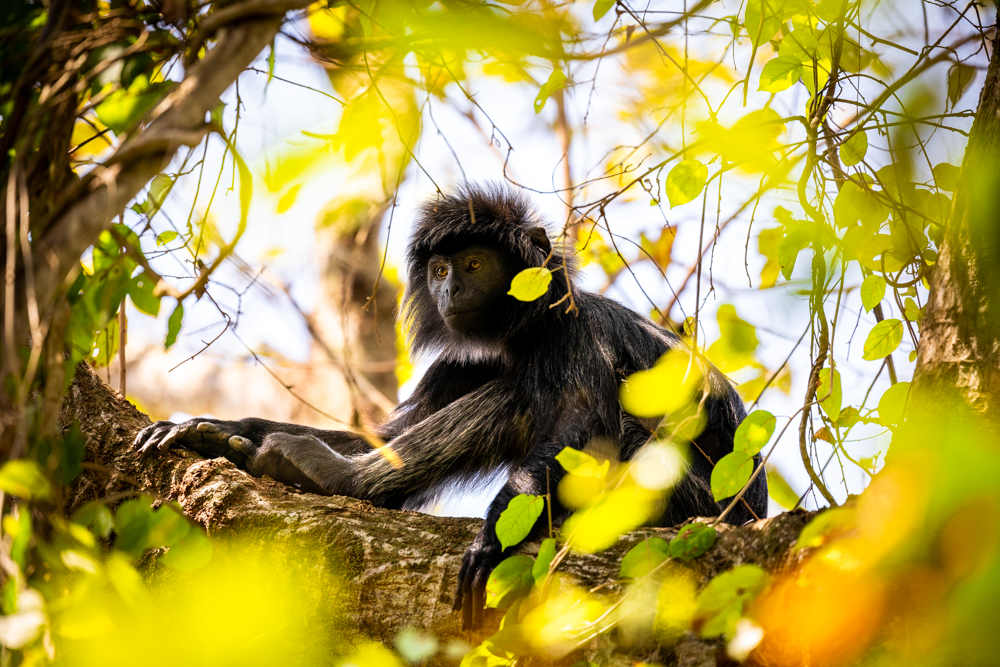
(470, 288)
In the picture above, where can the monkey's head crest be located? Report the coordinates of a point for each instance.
(482, 214)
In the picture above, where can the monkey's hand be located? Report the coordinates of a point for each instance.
(303, 461)
(479, 560)
(209, 437)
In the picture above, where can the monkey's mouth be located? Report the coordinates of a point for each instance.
(462, 313)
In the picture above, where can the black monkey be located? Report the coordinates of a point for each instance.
(512, 385)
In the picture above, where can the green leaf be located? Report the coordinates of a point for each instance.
(780, 74)
(74, 446)
(580, 463)
(367, 10)
(141, 289)
(174, 326)
(892, 405)
(554, 83)
(722, 601)
(872, 291)
(825, 525)
(730, 474)
(644, 557)
(883, 339)
(789, 249)
(530, 284)
(767, 243)
(215, 115)
(685, 181)
(959, 77)
(24, 479)
(97, 517)
(692, 541)
(762, 22)
(159, 188)
(946, 176)
(122, 108)
(166, 237)
(246, 190)
(487, 654)
(737, 341)
(855, 202)
(138, 526)
(854, 149)
(848, 417)
(509, 580)
(19, 530)
(779, 489)
(105, 345)
(754, 432)
(191, 552)
(601, 7)
(270, 66)
(519, 518)
(546, 553)
(830, 397)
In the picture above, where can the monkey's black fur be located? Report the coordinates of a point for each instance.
(509, 396)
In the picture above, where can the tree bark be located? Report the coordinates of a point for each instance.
(959, 353)
(396, 569)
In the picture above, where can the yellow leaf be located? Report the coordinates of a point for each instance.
(685, 181)
(667, 387)
(530, 284)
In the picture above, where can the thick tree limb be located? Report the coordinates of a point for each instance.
(959, 353)
(397, 568)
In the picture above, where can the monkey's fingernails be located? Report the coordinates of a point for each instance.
(175, 434)
(213, 432)
(241, 444)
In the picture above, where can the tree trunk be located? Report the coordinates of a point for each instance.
(396, 569)
(960, 335)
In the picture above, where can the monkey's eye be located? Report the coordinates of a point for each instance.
(440, 271)
(475, 265)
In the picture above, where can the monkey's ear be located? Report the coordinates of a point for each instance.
(540, 239)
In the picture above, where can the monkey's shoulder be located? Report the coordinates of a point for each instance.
(632, 336)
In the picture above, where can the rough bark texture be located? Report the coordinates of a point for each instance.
(960, 335)
(396, 569)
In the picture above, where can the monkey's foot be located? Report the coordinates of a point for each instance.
(470, 594)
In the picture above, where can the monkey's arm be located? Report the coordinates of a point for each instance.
(298, 455)
(479, 431)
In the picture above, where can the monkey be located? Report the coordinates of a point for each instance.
(511, 385)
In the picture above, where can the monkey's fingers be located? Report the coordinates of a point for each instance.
(241, 444)
(158, 437)
(165, 438)
(479, 597)
(213, 433)
(456, 605)
(142, 437)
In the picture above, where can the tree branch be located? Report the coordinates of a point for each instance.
(397, 568)
(179, 119)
